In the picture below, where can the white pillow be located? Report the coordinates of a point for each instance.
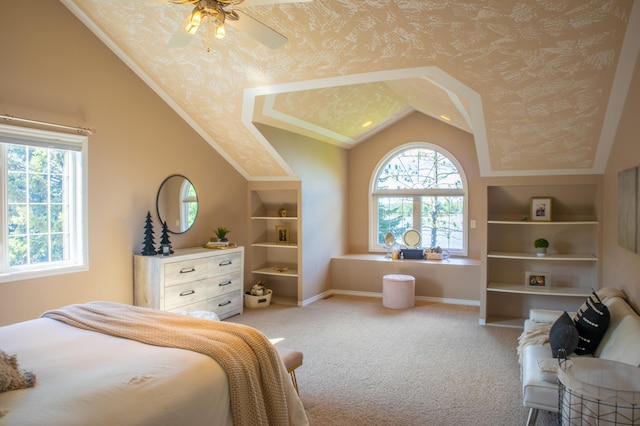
(548, 369)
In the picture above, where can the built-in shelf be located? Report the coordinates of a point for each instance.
(271, 271)
(274, 218)
(546, 257)
(275, 245)
(504, 321)
(551, 291)
(555, 222)
(266, 253)
(570, 264)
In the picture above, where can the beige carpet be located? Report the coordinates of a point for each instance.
(368, 365)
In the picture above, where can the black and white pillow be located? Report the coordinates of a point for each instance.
(592, 321)
(563, 335)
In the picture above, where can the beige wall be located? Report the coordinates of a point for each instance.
(58, 71)
(621, 268)
(322, 169)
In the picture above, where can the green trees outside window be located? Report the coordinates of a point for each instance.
(421, 187)
(37, 206)
(44, 210)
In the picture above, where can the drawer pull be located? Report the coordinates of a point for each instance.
(224, 303)
(187, 270)
(187, 292)
(224, 283)
(225, 263)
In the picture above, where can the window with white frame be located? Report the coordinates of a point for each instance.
(420, 186)
(44, 206)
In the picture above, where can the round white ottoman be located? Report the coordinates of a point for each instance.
(398, 291)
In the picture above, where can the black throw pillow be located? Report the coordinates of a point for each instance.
(563, 335)
(592, 321)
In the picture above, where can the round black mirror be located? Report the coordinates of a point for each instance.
(177, 204)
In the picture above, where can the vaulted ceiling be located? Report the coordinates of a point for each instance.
(539, 84)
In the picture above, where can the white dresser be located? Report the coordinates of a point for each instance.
(195, 279)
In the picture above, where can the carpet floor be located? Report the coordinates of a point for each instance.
(369, 365)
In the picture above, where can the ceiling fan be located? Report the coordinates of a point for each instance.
(215, 14)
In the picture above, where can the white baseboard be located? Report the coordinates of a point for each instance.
(445, 300)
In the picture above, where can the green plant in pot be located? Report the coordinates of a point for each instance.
(541, 246)
(221, 233)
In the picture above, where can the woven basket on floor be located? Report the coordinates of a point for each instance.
(251, 301)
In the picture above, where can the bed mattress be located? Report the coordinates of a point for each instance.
(84, 377)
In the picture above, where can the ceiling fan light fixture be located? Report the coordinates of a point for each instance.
(219, 32)
(194, 22)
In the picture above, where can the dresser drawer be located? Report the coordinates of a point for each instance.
(225, 283)
(226, 303)
(179, 295)
(225, 263)
(184, 271)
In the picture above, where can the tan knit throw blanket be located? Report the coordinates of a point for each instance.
(251, 362)
(536, 335)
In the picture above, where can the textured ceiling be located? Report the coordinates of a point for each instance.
(539, 84)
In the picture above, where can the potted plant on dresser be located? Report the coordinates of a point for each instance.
(221, 233)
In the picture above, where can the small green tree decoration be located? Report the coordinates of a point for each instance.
(148, 248)
(164, 239)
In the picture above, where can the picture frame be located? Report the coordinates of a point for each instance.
(282, 234)
(541, 209)
(538, 280)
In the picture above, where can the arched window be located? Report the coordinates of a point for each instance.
(420, 186)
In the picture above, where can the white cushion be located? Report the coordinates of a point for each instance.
(618, 309)
(623, 344)
(539, 389)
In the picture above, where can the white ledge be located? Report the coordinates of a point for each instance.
(372, 257)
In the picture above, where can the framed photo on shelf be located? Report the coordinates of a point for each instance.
(282, 234)
(541, 209)
(537, 279)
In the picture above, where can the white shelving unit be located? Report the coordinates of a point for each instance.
(273, 262)
(571, 261)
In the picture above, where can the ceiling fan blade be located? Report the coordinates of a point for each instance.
(181, 37)
(250, 3)
(259, 31)
(128, 1)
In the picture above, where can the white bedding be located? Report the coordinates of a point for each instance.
(84, 377)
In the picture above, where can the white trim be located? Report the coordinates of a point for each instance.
(79, 260)
(445, 300)
(475, 115)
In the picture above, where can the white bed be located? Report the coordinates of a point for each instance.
(85, 377)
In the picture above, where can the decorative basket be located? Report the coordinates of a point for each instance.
(251, 301)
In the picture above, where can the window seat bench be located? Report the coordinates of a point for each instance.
(455, 280)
